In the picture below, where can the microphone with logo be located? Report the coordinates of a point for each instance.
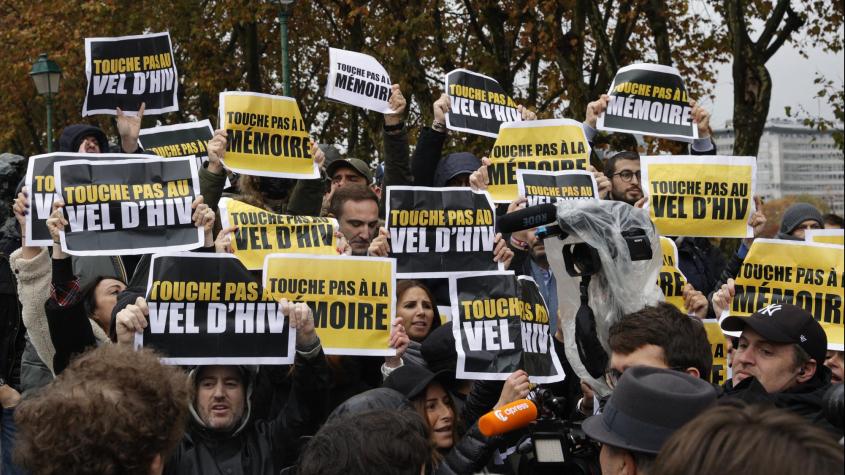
(510, 417)
(548, 444)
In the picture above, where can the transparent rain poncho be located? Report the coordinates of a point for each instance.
(620, 287)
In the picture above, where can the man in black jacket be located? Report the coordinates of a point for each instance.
(779, 360)
(221, 437)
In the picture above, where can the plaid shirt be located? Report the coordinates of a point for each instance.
(64, 288)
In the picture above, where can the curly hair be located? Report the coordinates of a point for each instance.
(110, 412)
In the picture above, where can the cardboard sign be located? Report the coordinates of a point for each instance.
(670, 279)
(721, 373)
(552, 145)
(261, 233)
(825, 236)
(42, 190)
(649, 99)
(479, 105)
(266, 136)
(128, 206)
(501, 324)
(129, 70)
(541, 187)
(709, 196)
(809, 275)
(208, 309)
(359, 80)
(435, 232)
(353, 298)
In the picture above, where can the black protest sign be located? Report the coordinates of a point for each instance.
(435, 232)
(209, 309)
(128, 206)
(42, 191)
(649, 99)
(126, 71)
(178, 140)
(541, 187)
(479, 104)
(501, 324)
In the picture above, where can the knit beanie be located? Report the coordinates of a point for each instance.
(797, 214)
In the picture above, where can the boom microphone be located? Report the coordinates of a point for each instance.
(528, 218)
(510, 417)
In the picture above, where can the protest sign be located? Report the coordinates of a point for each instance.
(128, 206)
(540, 187)
(178, 140)
(261, 233)
(649, 99)
(42, 190)
(266, 136)
(126, 71)
(358, 79)
(501, 324)
(709, 196)
(435, 232)
(718, 348)
(479, 105)
(208, 309)
(670, 279)
(809, 275)
(825, 236)
(551, 145)
(353, 298)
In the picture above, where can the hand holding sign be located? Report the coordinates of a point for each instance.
(55, 224)
(397, 104)
(695, 302)
(380, 246)
(129, 127)
(441, 108)
(701, 118)
(216, 151)
(131, 320)
(223, 243)
(398, 340)
(203, 217)
(595, 109)
(480, 178)
(723, 297)
(516, 387)
(21, 208)
(301, 320)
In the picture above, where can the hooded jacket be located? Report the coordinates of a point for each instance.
(255, 447)
(72, 137)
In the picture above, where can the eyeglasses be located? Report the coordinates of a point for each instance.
(628, 175)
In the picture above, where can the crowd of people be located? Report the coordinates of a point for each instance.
(78, 398)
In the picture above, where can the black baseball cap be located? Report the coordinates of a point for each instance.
(647, 406)
(784, 323)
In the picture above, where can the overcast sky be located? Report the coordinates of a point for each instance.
(792, 78)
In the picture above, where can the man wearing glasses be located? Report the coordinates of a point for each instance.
(623, 169)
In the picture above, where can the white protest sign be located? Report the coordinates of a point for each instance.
(358, 79)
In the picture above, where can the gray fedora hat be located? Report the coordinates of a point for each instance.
(647, 406)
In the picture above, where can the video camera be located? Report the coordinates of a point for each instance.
(553, 444)
(605, 257)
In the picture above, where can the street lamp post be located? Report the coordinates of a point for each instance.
(46, 74)
(285, 7)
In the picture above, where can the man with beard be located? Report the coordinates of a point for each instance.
(623, 171)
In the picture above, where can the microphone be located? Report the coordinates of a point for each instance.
(528, 218)
(510, 417)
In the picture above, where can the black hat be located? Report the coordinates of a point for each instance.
(647, 406)
(438, 349)
(453, 165)
(411, 380)
(784, 323)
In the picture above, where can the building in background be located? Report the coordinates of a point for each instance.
(794, 159)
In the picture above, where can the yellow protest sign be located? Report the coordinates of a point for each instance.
(825, 236)
(699, 196)
(670, 279)
(809, 275)
(266, 136)
(547, 145)
(353, 298)
(261, 233)
(719, 350)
